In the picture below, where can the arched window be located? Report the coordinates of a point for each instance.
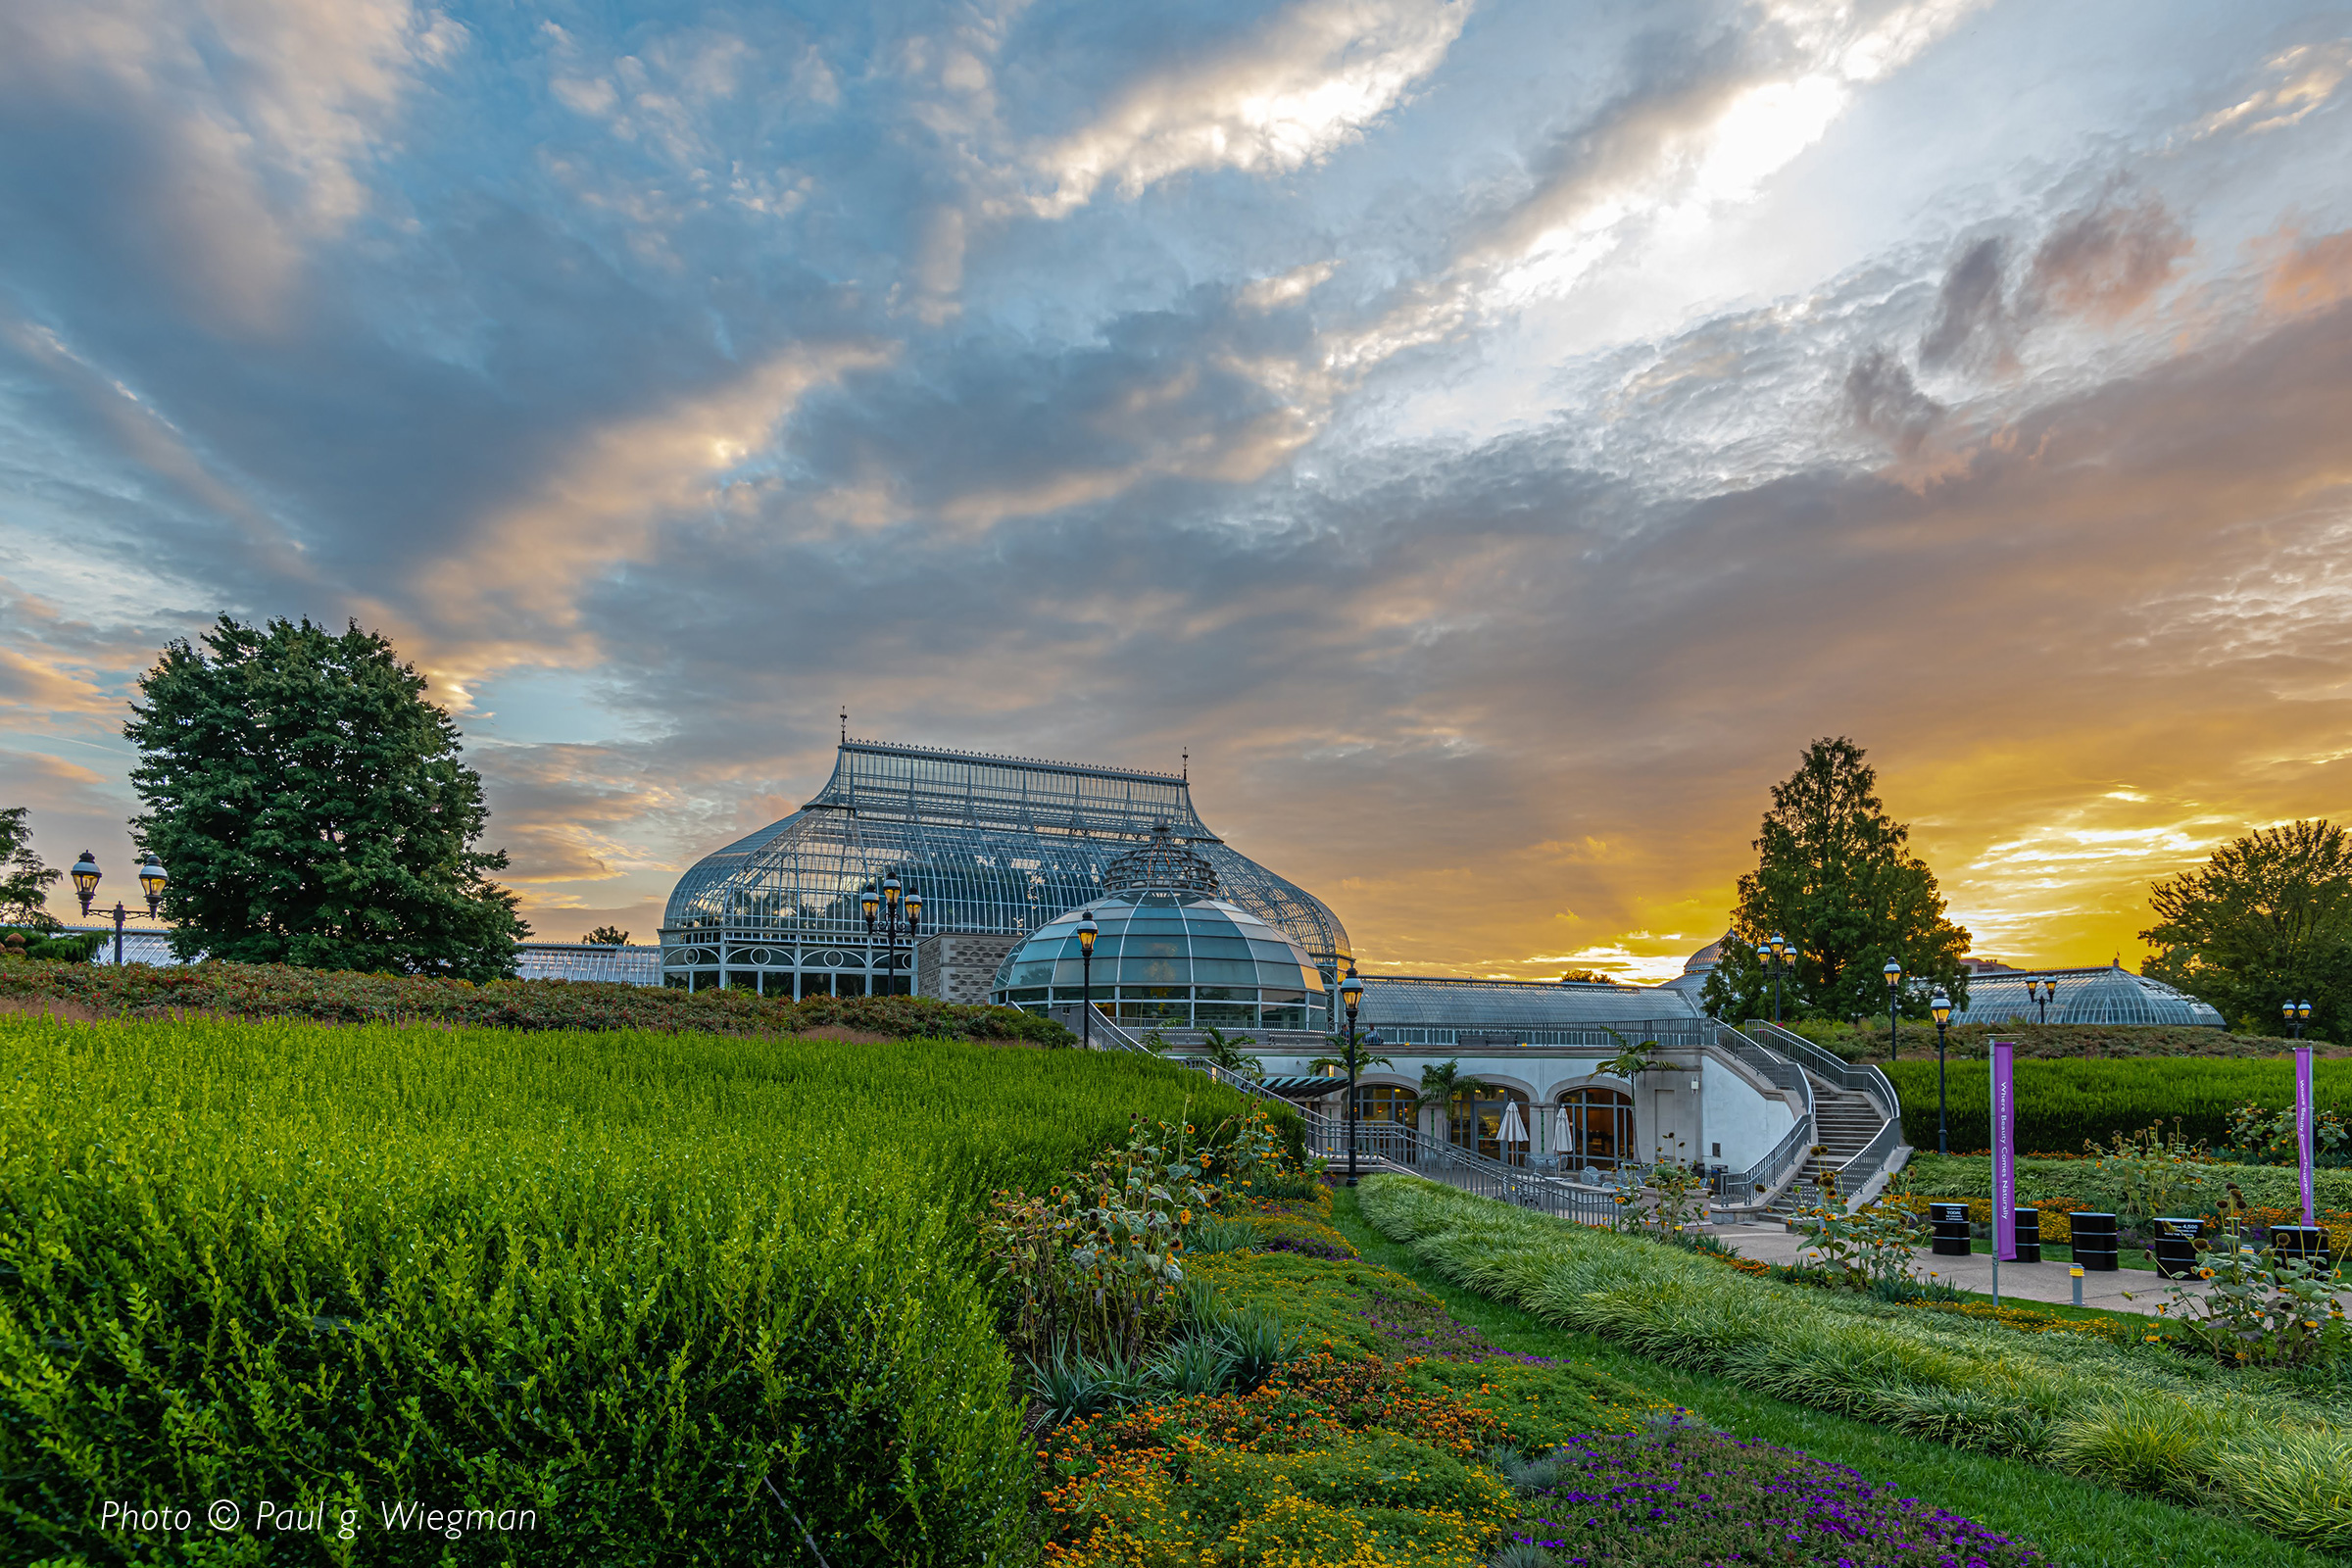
(1386, 1102)
(1475, 1122)
(1600, 1128)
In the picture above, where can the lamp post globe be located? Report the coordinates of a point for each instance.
(1351, 996)
(152, 880)
(898, 918)
(1894, 993)
(85, 879)
(1087, 932)
(1782, 951)
(1941, 1006)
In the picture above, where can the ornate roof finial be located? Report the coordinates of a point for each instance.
(845, 727)
(1163, 862)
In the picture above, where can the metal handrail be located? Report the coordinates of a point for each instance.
(1864, 1079)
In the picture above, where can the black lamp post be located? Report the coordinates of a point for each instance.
(1087, 932)
(1352, 992)
(1784, 955)
(1941, 1005)
(2296, 1013)
(151, 882)
(2042, 993)
(897, 917)
(1894, 993)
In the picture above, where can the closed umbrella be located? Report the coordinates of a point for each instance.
(1513, 1130)
(1560, 1137)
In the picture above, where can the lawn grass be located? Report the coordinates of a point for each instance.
(2078, 1524)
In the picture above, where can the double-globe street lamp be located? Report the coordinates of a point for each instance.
(151, 882)
(2042, 993)
(1941, 1006)
(1351, 995)
(2297, 1014)
(1894, 993)
(899, 918)
(1784, 959)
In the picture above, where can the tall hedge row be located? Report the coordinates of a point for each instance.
(621, 1282)
(336, 995)
(2061, 1102)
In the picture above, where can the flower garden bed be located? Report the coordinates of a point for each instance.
(2140, 1418)
(1398, 1440)
(1684, 1496)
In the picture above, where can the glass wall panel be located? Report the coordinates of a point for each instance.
(848, 985)
(1284, 1017)
(1222, 972)
(1208, 947)
(1153, 971)
(1387, 1102)
(1600, 1129)
(1473, 1122)
(1224, 1014)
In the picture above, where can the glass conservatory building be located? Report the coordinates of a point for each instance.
(1171, 953)
(2113, 995)
(997, 844)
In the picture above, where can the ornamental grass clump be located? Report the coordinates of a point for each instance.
(2065, 1399)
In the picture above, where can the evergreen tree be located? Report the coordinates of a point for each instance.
(25, 882)
(1834, 874)
(2267, 920)
(607, 936)
(312, 808)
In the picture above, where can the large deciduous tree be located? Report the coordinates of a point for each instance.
(25, 882)
(2267, 920)
(310, 806)
(1834, 874)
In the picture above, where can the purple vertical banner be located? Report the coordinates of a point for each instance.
(2304, 1113)
(2005, 1152)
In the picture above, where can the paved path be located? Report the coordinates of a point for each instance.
(2033, 1282)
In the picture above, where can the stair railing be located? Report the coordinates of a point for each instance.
(1860, 1079)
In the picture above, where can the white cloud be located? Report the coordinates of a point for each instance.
(1310, 81)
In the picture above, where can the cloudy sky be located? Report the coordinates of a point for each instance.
(1492, 435)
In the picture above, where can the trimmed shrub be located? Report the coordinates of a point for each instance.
(625, 1280)
(335, 996)
(2060, 1104)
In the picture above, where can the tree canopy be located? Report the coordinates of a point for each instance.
(2267, 920)
(25, 882)
(1834, 874)
(310, 806)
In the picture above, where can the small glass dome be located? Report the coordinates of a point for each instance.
(1167, 958)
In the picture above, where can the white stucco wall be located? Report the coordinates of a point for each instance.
(1744, 1122)
(1727, 1109)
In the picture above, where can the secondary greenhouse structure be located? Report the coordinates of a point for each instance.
(995, 846)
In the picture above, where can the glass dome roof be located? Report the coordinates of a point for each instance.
(1162, 938)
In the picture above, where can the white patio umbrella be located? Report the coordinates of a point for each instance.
(1513, 1130)
(1560, 1133)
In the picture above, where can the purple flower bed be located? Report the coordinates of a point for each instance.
(1412, 1327)
(1682, 1496)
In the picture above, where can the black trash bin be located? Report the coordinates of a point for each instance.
(2301, 1240)
(2094, 1241)
(1950, 1222)
(2028, 1235)
(2177, 1248)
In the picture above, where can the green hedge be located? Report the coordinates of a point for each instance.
(334, 996)
(47, 947)
(1868, 1042)
(621, 1280)
(2060, 1104)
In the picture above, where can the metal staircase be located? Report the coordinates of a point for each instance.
(1857, 1121)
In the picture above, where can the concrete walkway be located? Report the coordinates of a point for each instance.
(2020, 1282)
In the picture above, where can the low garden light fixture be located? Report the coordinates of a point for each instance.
(1941, 1006)
(1894, 994)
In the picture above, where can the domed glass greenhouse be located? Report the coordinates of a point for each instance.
(1171, 953)
(994, 845)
